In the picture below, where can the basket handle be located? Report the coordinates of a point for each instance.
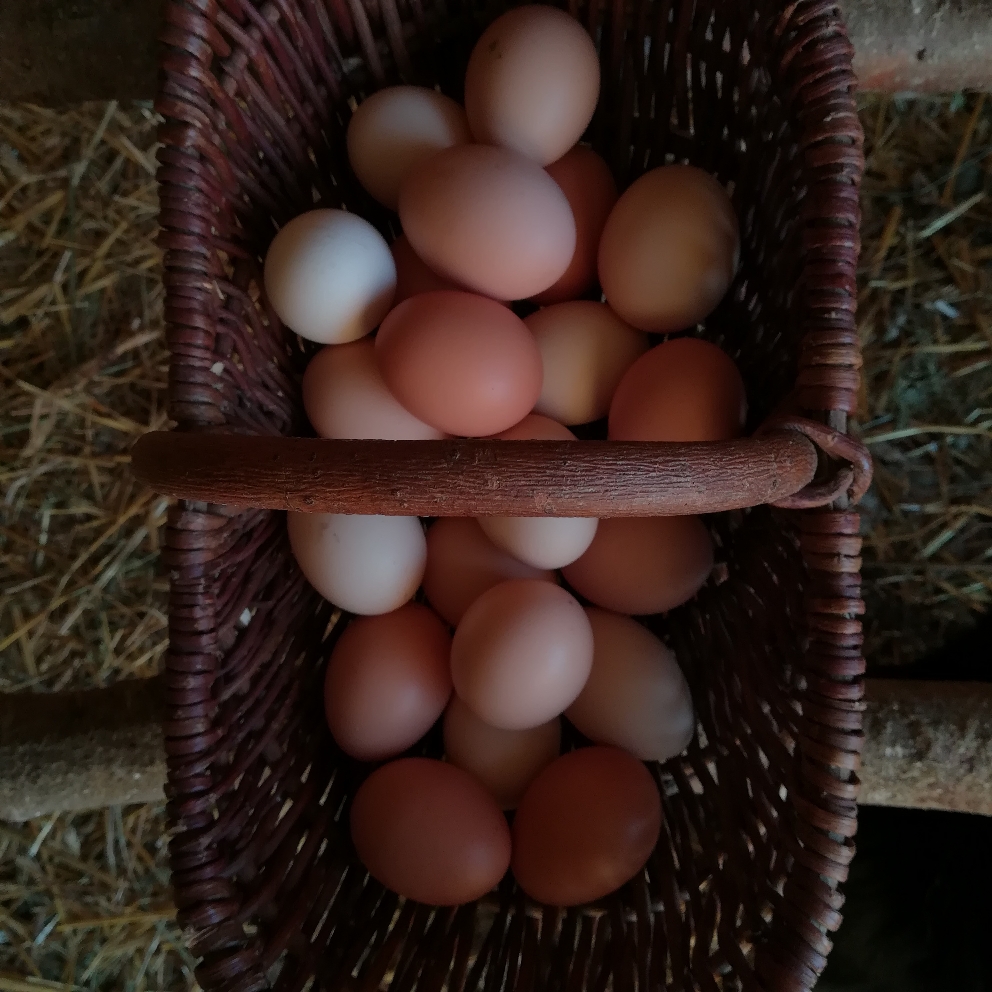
(478, 477)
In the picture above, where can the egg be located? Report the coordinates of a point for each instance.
(413, 275)
(461, 363)
(329, 276)
(636, 697)
(388, 680)
(532, 82)
(521, 654)
(643, 565)
(503, 761)
(429, 832)
(361, 564)
(585, 826)
(488, 219)
(588, 184)
(344, 397)
(669, 249)
(585, 351)
(462, 563)
(397, 128)
(683, 390)
(541, 542)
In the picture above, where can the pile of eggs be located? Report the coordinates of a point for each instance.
(503, 212)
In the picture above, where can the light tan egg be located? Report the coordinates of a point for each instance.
(503, 761)
(394, 130)
(585, 351)
(669, 249)
(541, 542)
(636, 697)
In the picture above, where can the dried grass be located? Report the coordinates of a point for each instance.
(84, 901)
(925, 319)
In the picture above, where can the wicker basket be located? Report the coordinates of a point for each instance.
(742, 890)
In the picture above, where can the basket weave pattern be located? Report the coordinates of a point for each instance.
(742, 890)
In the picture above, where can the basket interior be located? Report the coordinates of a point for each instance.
(256, 99)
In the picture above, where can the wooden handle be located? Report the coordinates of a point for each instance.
(476, 477)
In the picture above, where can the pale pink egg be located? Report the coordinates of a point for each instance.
(591, 190)
(462, 563)
(344, 397)
(388, 680)
(462, 363)
(521, 654)
(532, 82)
(503, 761)
(490, 220)
(541, 542)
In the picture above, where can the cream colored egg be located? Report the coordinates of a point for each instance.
(541, 542)
(585, 351)
(362, 564)
(636, 697)
(395, 129)
(505, 762)
(329, 276)
(344, 397)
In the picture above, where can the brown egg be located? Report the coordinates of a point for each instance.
(587, 824)
(388, 680)
(643, 565)
(428, 831)
(521, 653)
(591, 190)
(488, 219)
(543, 542)
(397, 128)
(345, 397)
(459, 362)
(532, 82)
(413, 275)
(682, 390)
(462, 563)
(503, 761)
(585, 351)
(669, 249)
(636, 697)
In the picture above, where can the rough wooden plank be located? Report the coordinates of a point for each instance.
(928, 745)
(56, 52)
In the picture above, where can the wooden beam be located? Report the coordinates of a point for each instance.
(57, 52)
(928, 746)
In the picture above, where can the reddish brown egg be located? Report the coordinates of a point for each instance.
(430, 832)
(462, 563)
(682, 390)
(591, 191)
(669, 249)
(413, 274)
(585, 826)
(462, 363)
(388, 680)
(643, 565)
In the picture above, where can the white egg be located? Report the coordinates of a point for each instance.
(330, 276)
(362, 564)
